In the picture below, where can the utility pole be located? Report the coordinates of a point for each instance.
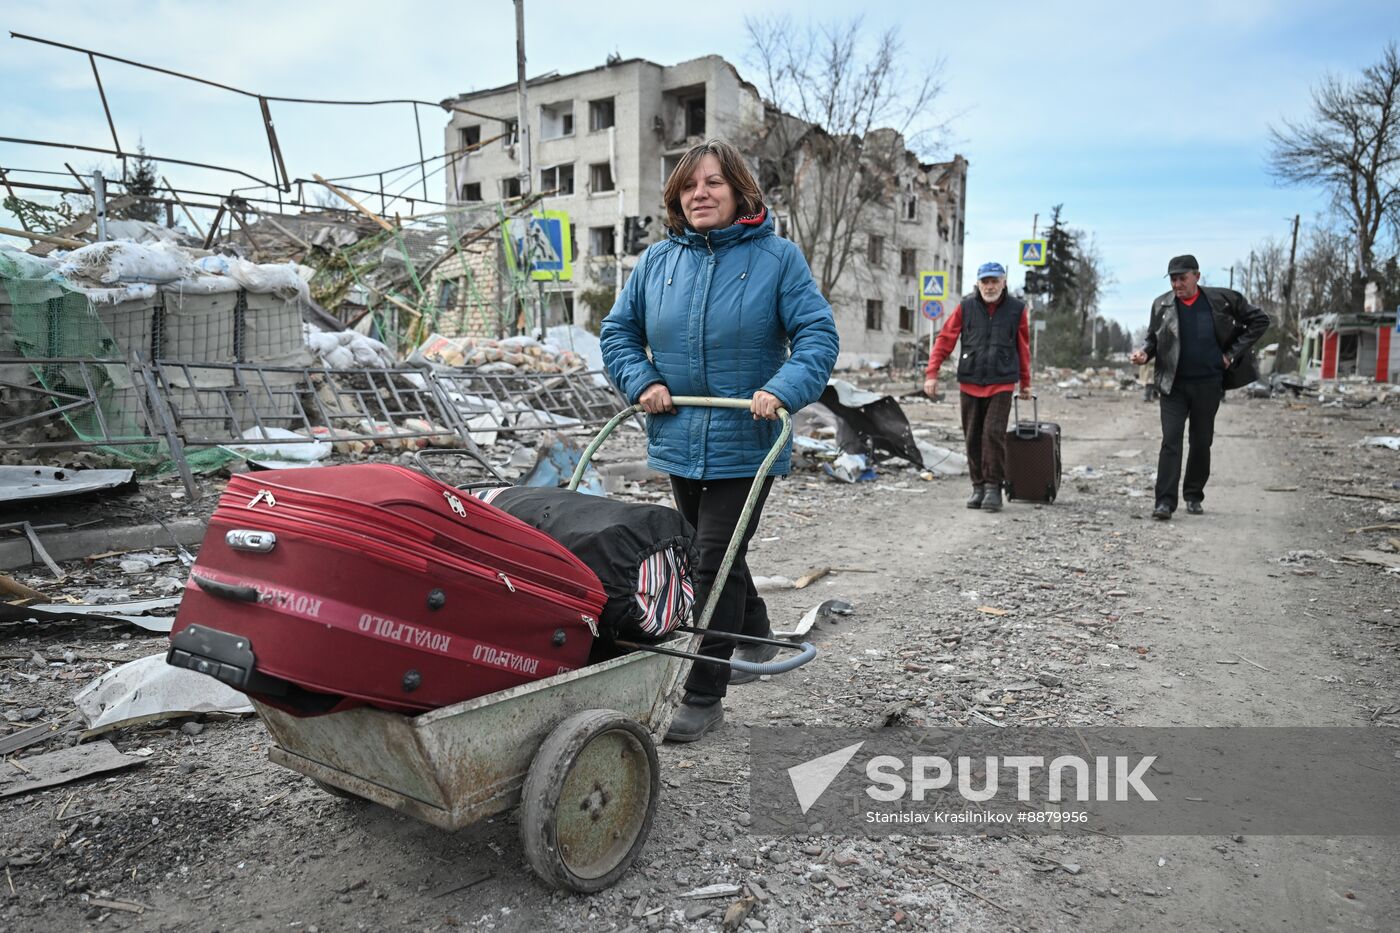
(522, 142)
(99, 205)
(1290, 330)
(522, 125)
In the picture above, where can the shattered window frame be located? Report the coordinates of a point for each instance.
(600, 237)
(510, 187)
(908, 262)
(602, 114)
(875, 250)
(594, 178)
(471, 192)
(906, 319)
(560, 177)
(557, 120)
(874, 314)
(468, 136)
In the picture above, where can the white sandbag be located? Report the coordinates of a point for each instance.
(121, 261)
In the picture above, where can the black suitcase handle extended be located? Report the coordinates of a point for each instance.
(1024, 431)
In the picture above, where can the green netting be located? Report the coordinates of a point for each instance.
(47, 319)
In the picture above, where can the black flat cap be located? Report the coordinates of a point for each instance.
(1183, 264)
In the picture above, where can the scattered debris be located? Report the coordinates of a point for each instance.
(23, 483)
(148, 689)
(68, 764)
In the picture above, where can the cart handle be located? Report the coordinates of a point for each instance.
(808, 652)
(742, 525)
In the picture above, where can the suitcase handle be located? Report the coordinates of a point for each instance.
(240, 594)
(1034, 429)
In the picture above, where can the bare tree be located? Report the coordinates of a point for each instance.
(1350, 145)
(835, 138)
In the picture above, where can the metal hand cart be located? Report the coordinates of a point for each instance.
(576, 752)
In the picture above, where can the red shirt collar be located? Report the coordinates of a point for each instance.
(1192, 300)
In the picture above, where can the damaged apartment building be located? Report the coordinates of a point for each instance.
(604, 141)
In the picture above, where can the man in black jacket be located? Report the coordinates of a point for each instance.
(1202, 340)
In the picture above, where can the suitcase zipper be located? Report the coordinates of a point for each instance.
(445, 558)
(323, 515)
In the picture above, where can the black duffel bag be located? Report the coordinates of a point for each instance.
(643, 554)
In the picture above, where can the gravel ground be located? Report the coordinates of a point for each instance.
(1081, 613)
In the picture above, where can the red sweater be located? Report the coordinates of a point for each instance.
(948, 338)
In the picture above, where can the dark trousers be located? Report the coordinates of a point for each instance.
(1197, 403)
(712, 506)
(984, 425)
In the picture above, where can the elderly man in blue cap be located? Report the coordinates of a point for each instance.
(996, 354)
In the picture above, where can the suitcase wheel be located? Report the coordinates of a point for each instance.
(589, 800)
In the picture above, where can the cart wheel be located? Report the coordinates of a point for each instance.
(336, 791)
(589, 799)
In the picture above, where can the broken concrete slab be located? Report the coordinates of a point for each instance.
(148, 689)
(63, 766)
(23, 483)
(79, 543)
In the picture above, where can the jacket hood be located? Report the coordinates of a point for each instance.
(737, 232)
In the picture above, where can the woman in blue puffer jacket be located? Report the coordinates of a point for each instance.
(726, 308)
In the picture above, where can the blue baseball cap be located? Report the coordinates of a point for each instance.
(991, 270)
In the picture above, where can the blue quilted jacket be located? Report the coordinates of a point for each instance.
(723, 314)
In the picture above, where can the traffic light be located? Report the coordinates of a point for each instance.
(634, 235)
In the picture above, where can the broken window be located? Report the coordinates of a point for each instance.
(511, 128)
(557, 120)
(471, 191)
(558, 178)
(668, 165)
(600, 177)
(906, 318)
(911, 207)
(694, 115)
(874, 314)
(510, 186)
(601, 114)
(908, 262)
(875, 250)
(468, 136)
(448, 290)
(602, 241)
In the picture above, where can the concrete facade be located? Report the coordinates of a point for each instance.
(657, 112)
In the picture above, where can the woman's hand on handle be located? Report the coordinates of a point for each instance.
(765, 405)
(656, 399)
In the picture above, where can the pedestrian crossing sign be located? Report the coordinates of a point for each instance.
(933, 286)
(1032, 252)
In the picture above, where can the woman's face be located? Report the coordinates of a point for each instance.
(707, 201)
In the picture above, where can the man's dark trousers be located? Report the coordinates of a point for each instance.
(1196, 402)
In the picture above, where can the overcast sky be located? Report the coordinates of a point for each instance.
(1149, 123)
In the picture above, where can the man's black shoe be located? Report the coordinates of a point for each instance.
(693, 720)
(1162, 511)
(979, 492)
(758, 654)
(991, 501)
(1194, 508)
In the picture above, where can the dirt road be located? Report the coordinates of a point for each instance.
(1248, 615)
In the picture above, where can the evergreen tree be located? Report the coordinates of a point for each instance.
(143, 184)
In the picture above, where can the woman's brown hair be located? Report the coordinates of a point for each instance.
(732, 166)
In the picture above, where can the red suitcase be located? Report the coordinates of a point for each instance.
(320, 589)
(1032, 457)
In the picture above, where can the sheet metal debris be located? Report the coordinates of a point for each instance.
(148, 689)
(22, 483)
(132, 613)
(61, 767)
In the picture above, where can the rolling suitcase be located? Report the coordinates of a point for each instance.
(1032, 456)
(320, 589)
